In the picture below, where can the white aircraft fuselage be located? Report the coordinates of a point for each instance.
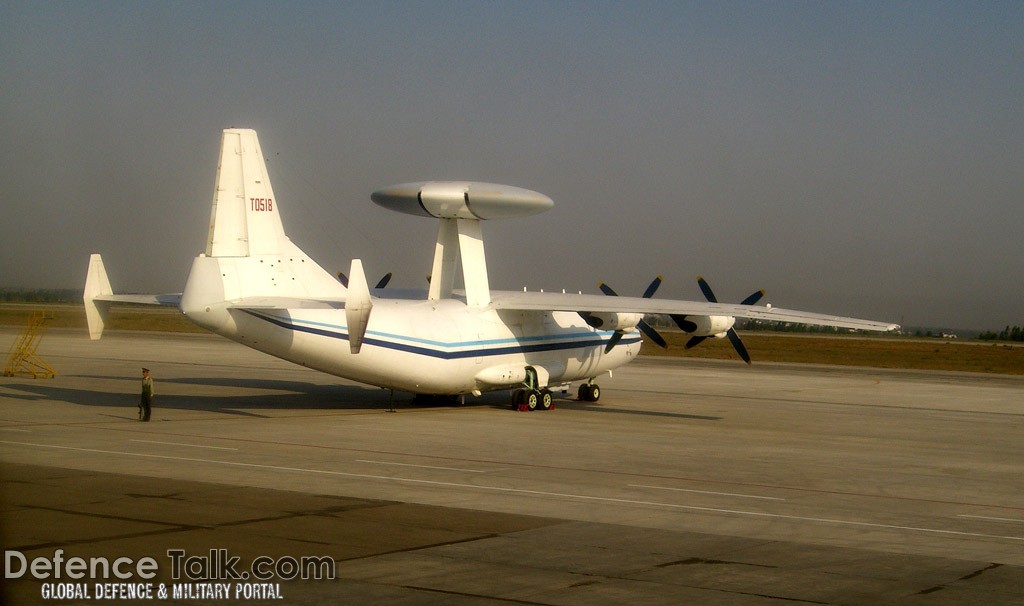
(430, 347)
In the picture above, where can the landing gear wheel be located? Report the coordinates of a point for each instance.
(532, 399)
(518, 400)
(589, 392)
(546, 399)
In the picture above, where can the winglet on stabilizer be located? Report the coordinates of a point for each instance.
(357, 306)
(96, 285)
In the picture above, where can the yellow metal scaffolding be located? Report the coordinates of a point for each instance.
(23, 359)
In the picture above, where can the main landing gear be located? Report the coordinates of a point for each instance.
(531, 395)
(525, 400)
(589, 392)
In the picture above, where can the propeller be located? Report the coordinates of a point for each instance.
(681, 321)
(734, 338)
(616, 337)
(383, 282)
(644, 327)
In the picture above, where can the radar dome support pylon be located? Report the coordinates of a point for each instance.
(461, 206)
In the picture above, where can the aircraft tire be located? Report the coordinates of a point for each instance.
(532, 399)
(546, 399)
(589, 392)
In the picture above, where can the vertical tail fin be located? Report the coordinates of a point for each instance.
(247, 251)
(245, 219)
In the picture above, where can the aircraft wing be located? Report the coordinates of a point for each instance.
(543, 301)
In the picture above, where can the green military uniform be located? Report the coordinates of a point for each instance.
(146, 402)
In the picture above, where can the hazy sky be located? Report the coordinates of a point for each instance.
(856, 158)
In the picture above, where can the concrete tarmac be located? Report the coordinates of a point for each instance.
(689, 482)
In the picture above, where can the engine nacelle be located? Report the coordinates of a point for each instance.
(711, 326)
(613, 321)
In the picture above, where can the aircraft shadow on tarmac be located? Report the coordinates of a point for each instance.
(293, 395)
(590, 407)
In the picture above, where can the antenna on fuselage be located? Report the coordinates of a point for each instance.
(461, 206)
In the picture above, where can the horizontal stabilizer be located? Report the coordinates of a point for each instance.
(267, 303)
(164, 300)
(98, 296)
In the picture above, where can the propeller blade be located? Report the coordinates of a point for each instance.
(616, 337)
(652, 334)
(738, 345)
(753, 298)
(706, 289)
(683, 324)
(644, 327)
(653, 288)
(734, 337)
(383, 282)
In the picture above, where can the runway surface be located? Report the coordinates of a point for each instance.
(689, 482)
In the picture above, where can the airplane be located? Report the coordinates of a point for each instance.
(254, 286)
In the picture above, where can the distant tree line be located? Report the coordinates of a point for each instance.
(1015, 333)
(40, 295)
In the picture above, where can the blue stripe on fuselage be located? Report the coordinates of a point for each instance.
(578, 340)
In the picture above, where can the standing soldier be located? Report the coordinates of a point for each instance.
(146, 403)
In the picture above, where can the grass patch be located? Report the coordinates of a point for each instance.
(122, 317)
(879, 352)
